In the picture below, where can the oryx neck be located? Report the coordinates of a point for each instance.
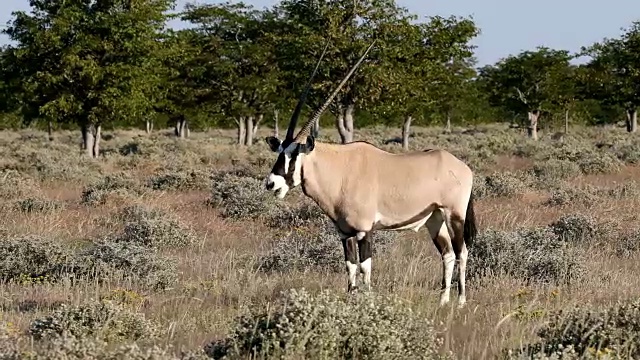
(322, 176)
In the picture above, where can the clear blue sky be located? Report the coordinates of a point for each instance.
(508, 26)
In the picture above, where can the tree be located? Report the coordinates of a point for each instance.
(88, 62)
(528, 83)
(238, 70)
(349, 27)
(430, 65)
(614, 73)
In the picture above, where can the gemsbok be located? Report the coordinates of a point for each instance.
(363, 188)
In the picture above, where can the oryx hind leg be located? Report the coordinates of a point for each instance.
(461, 252)
(439, 233)
(351, 260)
(364, 252)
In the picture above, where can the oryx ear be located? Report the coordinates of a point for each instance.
(274, 143)
(309, 145)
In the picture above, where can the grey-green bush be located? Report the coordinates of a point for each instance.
(240, 197)
(97, 193)
(38, 205)
(34, 257)
(152, 227)
(588, 332)
(328, 326)
(103, 320)
(531, 255)
(128, 261)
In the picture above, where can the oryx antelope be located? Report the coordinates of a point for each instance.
(363, 189)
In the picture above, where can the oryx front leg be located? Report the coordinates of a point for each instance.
(364, 251)
(351, 260)
(442, 240)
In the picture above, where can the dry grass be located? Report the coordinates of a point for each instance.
(217, 276)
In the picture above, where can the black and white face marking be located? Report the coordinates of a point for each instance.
(287, 171)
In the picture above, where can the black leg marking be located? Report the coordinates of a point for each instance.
(364, 247)
(351, 261)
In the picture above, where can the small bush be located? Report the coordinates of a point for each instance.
(503, 184)
(627, 245)
(179, 180)
(240, 197)
(589, 332)
(327, 326)
(305, 215)
(98, 192)
(554, 169)
(128, 261)
(34, 257)
(99, 319)
(575, 228)
(38, 205)
(627, 190)
(532, 255)
(315, 250)
(599, 163)
(572, 196)
(151, 227)
(14, 185)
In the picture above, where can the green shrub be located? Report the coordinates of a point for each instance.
(576, 228)
(532, 255)
(589, 332)
(38, 205)
(240, 197)
(179, 180)
(98, 192)
(98, 319)
(152, 227)
(34, 257)
(315, 250)
(328, 326)
(129, 261)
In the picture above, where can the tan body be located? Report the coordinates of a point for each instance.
(362, 187)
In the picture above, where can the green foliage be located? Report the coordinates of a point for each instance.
(328, 326)
(537, 80)
(87, 62)
(100, 319)
(587, 332)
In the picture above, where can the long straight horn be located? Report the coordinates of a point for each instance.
(307, 126)
(303, 98)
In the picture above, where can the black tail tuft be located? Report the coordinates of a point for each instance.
(470, 229)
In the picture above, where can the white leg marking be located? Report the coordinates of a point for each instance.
(462, 268)
(365, 267)
(352, 269)
(448, 261)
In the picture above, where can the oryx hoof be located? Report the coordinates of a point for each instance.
(352, 289)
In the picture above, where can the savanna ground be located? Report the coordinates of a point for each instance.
(167, 248)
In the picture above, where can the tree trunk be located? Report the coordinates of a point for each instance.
(315, 129)
(256, 126)
(448, 126)
(242, 130)
(87, 139)
(566, 121)
(97, 136)
(533, 124)
(345, 123)
(148, 126)
(406, 126)
(276, 129)
(50, 130)
(249, 131)
(632, 120)
(91, 136)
